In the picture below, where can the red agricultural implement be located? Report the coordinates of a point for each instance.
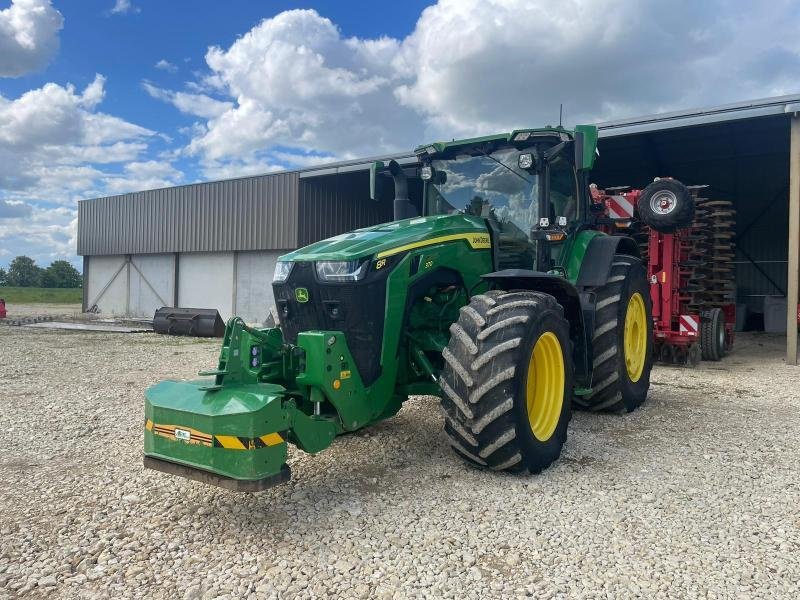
(689, 266)
(2, 309)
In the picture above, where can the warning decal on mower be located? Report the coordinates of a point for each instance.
(688, 324)
(230, 442)
(184, 434)
(619, 207)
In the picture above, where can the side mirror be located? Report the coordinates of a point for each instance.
(428, 174)
(585, 146)
(374, 168)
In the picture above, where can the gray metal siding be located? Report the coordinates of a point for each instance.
(333, 204)
(253, 213)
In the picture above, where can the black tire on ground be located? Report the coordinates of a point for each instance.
(666, 205)
(613, 388)
(712, 334)
(483, 382)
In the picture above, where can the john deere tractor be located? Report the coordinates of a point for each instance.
(498, 293)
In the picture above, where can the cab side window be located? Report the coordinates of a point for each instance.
(563, 190)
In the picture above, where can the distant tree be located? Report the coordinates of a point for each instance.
(61, 274)
(23, 272)
(3, 277)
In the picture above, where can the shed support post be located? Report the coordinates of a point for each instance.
(794, 242)
(85, 282)
(234, 298)
(128, 259)
(176, 276)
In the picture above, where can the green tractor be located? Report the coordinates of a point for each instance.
(498, 293)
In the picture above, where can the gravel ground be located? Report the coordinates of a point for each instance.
(697, 494)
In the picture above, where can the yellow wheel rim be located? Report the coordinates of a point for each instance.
(635, 340)
(544, 387)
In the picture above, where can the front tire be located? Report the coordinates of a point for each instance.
(507, 381)
(622, 343)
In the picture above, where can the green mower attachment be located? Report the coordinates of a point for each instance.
(232, 430)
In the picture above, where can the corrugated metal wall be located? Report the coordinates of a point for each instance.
(333, 204)
(253, 213)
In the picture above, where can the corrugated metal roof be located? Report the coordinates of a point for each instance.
(254, 213)
(776, 105)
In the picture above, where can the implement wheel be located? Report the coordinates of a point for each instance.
(666, 205)
(507, 381)
(623, 339)
(712, 334)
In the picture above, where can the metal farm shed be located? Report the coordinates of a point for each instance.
(215, 244)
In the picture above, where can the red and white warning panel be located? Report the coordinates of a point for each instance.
(688, 324)
(619, 207)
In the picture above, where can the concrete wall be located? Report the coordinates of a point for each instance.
(107, 284)
(206, 281)
(254, 272)
(232, 282)
(152, 283)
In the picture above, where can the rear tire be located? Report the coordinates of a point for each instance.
(666, 205)
(712, 334)
(507, 381)
(620, 380)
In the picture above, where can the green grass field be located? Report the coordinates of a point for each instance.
(22, 295)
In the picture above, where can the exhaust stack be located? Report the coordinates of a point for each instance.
(403, 209)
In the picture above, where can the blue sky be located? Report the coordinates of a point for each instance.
(126, 46)
(109, 96)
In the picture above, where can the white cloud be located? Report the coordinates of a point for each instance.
(228, 169)
(198, 105)
(44, 233)
(143, 175)
(56, 147)
(295, 159)
(13, 210)
(479, 66)
(167, 66)
(293, 81)
(122, 7)
(28, 36)
(51, 136)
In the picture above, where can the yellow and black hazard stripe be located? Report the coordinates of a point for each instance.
(229, 442)
(233, 442)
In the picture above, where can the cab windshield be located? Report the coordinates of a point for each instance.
(494, 178)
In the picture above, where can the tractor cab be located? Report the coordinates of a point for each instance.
(528, 185)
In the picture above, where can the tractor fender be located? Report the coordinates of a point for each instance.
(596, 265)
(567, 296)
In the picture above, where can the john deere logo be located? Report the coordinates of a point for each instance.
(301, 294)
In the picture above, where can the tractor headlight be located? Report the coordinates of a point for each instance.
(282, 270)
(426, 173)
(525, 160)
(342, 270)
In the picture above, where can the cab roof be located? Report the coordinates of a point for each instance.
(517, 135)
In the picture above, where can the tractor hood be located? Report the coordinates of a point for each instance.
(390, 238)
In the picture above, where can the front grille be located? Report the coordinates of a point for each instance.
(360, 307)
